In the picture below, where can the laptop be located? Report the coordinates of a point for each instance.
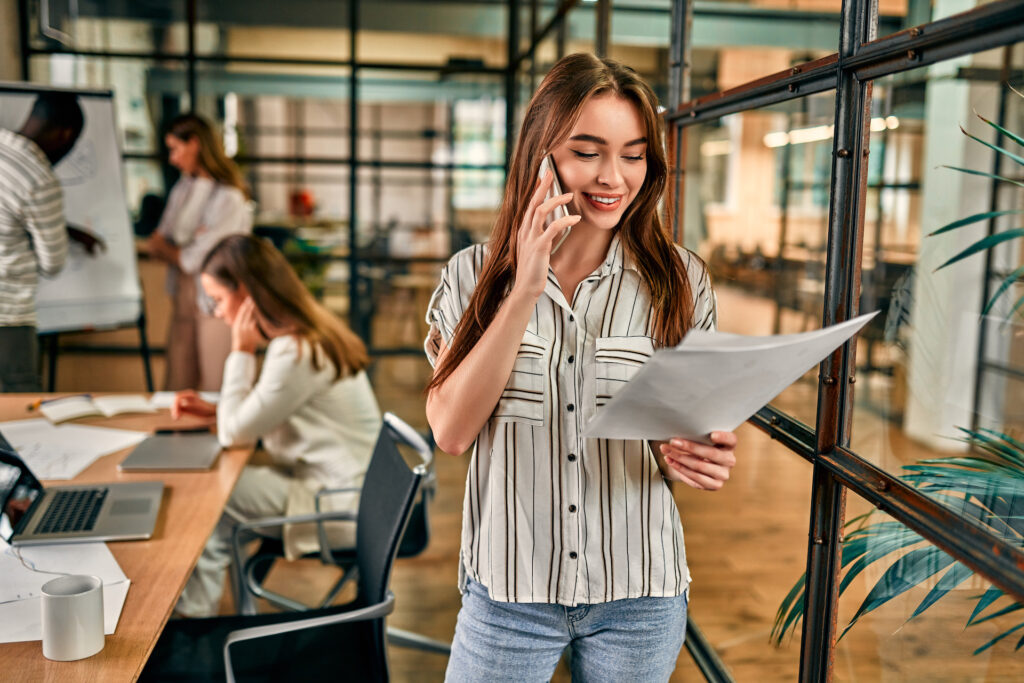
(32, 515)
(174, 451)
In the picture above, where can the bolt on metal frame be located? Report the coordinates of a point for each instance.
(850, 72)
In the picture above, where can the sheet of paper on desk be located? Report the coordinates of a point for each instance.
(62, 451)
(20, 608)
(164, 399)
(713, 381)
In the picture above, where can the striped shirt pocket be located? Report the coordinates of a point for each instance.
(617, 359)
(525, 394)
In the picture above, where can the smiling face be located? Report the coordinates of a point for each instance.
(183, 154)
(226, 301)
(604, 160)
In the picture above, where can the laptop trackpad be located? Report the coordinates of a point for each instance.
(131, 506)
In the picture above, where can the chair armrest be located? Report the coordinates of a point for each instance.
(376, 611)
(243, 527)
(321, 532)
(327, 492)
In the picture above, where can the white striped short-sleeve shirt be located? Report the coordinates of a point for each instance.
(33, 238)
(548, 515)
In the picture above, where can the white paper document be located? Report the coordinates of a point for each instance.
(83, 405)
(62, 451)
(20, 602)
(713, 381)
(164, 399)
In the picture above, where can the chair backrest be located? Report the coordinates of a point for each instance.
(389, 491)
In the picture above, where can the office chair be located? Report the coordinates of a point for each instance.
(252, 571)
(341, 642)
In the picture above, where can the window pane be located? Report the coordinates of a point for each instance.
(298, 29)
(434, 33)
(743, 561)
(890, 643)
(755, 207)
(922, 379)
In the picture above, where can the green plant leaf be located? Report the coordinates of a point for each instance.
(902, 575)
(971, 171)
(1013, 136)
(956, 575)
(985, 215)
(790, 610)
(990, 596)
(1005, 285)
(1006, 610)
(984, 243)
(1002, 151)
(998, 638)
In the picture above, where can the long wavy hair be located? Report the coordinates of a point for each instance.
(211, 152)
(283, 300)
(550, 117)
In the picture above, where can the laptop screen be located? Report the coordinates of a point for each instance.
(18, 491)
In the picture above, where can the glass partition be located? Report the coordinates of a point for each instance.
(756, 210)
(931, 622)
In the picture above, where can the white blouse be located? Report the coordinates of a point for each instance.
(321, 431)
(200, 213)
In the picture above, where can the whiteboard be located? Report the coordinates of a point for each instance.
(91, 291)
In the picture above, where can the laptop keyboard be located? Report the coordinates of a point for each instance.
(72, 511)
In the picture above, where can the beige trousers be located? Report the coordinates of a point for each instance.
(197, 344)
(260, 492)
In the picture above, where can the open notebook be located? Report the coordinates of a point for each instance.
(83, 405)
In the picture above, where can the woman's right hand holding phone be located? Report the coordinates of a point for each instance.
(534, 241)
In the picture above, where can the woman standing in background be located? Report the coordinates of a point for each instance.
(207, 203)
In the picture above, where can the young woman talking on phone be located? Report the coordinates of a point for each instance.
(567, 540)
(311, 404)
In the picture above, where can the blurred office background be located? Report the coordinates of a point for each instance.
(374, 136)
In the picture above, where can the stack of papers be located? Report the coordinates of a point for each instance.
(713, 381)
(62, 451)
(20, 602)
(72, 407)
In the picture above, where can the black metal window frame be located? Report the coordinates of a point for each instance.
(359, 315)
(849, 73)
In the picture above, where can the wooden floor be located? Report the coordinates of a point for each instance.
(746, 546)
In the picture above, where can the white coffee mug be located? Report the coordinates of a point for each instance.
(72, 617)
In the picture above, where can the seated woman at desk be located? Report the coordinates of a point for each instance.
(208, 202)
(312, 405)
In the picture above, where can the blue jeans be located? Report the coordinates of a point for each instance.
(625, 640)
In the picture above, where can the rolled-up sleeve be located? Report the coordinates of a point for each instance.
(450, 299)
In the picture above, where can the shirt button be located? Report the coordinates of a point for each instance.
(572, 457)
(572, 319)
(571, 358)
(573, 555)
(572, 508)
(570, 407)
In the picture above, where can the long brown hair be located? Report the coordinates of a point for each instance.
(211, 152)
(284, 301)
(550, 117)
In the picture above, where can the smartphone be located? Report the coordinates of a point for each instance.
(555, 190)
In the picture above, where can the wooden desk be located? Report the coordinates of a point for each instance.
(157, 568)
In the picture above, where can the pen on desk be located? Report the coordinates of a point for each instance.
(34, 405)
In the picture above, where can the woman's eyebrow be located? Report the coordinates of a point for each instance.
(584, 137)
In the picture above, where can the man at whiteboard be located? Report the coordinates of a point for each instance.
(33, 234)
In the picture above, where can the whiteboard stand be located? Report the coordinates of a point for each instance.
(52, 343)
